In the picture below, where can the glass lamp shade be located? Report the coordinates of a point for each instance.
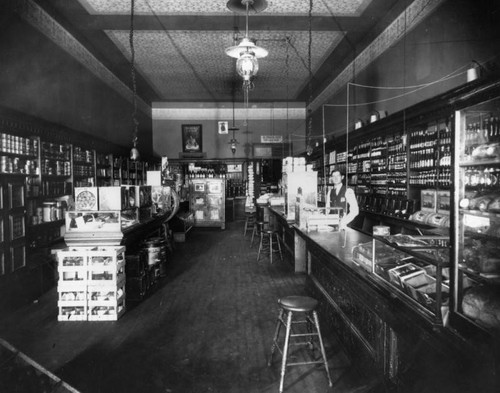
(247, 66)
(134, 154)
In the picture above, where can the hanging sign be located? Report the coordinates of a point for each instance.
(271, 139)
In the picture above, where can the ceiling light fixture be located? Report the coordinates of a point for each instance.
(247, 52)
(134, 152)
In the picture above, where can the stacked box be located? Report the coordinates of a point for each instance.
(112, 198)
(91, 283)
(106, 302)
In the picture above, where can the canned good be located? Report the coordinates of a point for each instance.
(48, 211)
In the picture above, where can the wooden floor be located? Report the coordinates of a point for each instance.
(207, 328)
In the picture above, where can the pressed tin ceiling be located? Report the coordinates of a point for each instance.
(180, 44)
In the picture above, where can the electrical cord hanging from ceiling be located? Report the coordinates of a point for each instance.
(134, 154)
(179, 52)
(309, 69)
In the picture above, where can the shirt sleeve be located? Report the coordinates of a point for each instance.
(353, 206)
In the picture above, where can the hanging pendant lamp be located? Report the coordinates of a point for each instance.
(247, 52)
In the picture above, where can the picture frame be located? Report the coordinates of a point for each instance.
(223, 127)
(192, 138)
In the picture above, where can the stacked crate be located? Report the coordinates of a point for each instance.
(91, 283)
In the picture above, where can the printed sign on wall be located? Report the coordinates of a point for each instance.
(223, 127)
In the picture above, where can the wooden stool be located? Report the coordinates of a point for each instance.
(268, 238)
(249, 222)
(307, 307)
(258, 227)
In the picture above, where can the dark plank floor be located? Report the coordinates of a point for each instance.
(207, 328)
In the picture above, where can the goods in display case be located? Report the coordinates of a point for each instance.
(100, 227)
(207, 202)
(416, 266)
(477, 226)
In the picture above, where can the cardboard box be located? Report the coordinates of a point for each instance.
(399, 274)
(443, 202)
(112, 198)
(428, 201)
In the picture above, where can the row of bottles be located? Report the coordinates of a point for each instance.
(235, 188)
(395, 205)
(479, 178)
(423, 139)
(486, 129)
(210, 172)
(431, 178)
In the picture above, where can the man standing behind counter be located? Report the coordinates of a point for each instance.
(342, 196)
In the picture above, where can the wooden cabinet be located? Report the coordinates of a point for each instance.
(477, 216)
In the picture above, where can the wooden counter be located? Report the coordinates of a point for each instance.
(382, 333)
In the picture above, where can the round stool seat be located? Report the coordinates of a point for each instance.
(298, 303)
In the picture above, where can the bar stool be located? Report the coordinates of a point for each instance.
(258, 227)
(268, 238)
(306, 306)
(250, 220)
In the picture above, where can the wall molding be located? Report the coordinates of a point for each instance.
(33, 14)
(415, 13)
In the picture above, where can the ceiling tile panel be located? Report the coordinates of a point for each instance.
(185, 63)
(218, 7)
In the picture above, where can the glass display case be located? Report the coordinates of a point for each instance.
(207, 202)
(417, 267)
(477, 212)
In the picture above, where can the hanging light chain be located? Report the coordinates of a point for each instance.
(309, 68)
(132, 75)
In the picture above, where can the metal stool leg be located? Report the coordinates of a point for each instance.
(285, 349)
(323, 353)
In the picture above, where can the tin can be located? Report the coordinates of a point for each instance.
(48, 211)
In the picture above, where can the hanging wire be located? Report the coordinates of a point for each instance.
(309, 69)
(132, 75)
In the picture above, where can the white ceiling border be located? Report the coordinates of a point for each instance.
(162, 113)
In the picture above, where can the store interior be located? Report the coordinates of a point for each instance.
(140, 139)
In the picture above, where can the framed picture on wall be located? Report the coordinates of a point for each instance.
(191, 138)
